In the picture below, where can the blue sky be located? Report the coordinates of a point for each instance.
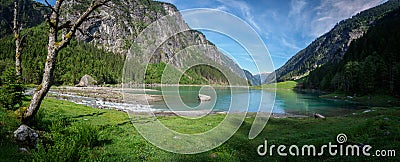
(285, 26)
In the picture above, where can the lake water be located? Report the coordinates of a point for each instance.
(240, 99)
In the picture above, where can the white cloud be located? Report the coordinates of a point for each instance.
(296, 7)
(222, 7)
(244, 9)
(329, 12)
(290, 44)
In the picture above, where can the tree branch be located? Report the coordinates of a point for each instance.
(66, 25)
(58, 5)
(67, 38)
(49, 6)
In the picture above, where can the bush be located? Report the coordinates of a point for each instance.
(11, 92)
(71, 143)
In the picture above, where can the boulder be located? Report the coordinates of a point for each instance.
(316, 116)
(26, 135)
(86, 81)
(203, 97)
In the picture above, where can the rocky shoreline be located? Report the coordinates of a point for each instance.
(129, 100)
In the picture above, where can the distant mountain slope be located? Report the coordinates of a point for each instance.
(262, 77)
(252, 79)
(30, 14)
(371, 65)
(333, 45)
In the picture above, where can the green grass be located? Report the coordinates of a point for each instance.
(76, 132)
(370, 100)
(279, 85)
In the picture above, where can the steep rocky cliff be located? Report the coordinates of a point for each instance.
(331, 46)
(115, 27)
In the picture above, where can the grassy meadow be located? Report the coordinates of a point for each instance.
(71, 132)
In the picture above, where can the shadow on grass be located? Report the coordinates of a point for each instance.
(92, 114)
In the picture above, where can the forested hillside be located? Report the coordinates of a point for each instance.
(103, 54)
(371, 64)
(31, 15)
(73, 62)
(201, 74)
(332, 46)
(81, 58)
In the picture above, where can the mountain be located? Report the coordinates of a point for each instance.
(262, 77)
(371, 64)
(116, 28)
(32, 15)
(252, 79)
(331, 46)
(112, 30)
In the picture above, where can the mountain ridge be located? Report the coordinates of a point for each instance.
(371, 65)
(331, 46)
(113, 28)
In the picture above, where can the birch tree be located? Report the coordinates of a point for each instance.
(55, 44)
(18, 43)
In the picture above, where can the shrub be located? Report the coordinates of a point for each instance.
(71, 143)
(11, 92)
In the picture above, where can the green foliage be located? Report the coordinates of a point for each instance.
(200, 74)
(116, 139)
(11, 92)
(154, 73)
(8, 124)
(71, 143)
(279, 85)
(371, 64)
(209, 73)
(73, 62)
(30, 14)
(330, 47)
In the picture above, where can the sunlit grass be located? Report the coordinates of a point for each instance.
(279, 85)
(116, 139)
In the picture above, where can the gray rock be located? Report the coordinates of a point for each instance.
(367, 111)
(22, 149)
(203, 97)
(87, 81)
(26, 135)
(114, 29)
(316, 115)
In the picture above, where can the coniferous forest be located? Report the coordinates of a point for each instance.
(76, 60)
(370, 66)
(80, 58)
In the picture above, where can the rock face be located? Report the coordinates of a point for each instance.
(26, 135)
(331, 46)
(118, 24)
(86, 81)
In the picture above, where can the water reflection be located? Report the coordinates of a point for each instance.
(286, 101)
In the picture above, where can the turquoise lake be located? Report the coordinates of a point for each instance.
(240, 99)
